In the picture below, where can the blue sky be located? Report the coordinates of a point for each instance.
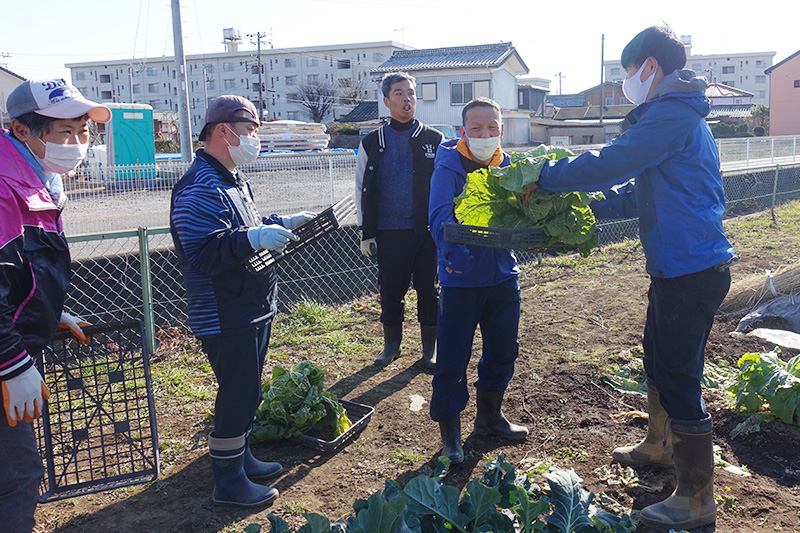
(549, 38)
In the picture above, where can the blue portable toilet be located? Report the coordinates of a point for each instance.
(130, 140)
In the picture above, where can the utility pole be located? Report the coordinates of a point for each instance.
(183, 95)
(560, 77)
(205, 86)
(258, 36)
(602, 91)
(130, 79)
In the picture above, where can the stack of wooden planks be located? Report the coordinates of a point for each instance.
(292, 135)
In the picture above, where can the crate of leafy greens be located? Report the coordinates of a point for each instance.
(491, 210)
(294, 403)
(325, 438)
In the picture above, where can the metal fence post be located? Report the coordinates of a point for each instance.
(748, 151)
(147, 289)
(772, 149)
(774, 192)
(330, 173)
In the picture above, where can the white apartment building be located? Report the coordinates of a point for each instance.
(153, 81)
(743, 71)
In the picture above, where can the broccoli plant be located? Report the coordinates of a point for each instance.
(501, 501)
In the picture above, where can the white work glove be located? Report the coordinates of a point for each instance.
(74, 325)
(369, 247)
(293, 221)
(270, 237)
(24, 396)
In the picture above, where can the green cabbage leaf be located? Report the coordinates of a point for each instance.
(294, 401)
(493, 198)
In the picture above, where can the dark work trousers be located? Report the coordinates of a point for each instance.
(402, 256)
(237, 360)
(461, 310)
(680, 314)
(21, 471)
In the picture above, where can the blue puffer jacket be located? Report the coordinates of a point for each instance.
(670, 152)
(479, 266)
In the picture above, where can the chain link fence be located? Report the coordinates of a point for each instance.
(120, 273)
(103, 200)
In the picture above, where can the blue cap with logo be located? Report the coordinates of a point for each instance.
(54, 98)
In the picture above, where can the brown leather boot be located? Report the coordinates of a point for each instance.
(490, 419)
(392, 337)
(428, 335)
(692, 504)
(451, 440)
(656, 448)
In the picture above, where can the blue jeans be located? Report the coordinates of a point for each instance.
(237, 360)
(461, 310)
(21, 471)
(680, 313)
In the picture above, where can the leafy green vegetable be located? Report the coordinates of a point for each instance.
(294, 401)
(493, 198)
(501, 502)
(764, 379)
(570, 500)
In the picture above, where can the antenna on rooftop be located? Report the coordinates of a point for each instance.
(402, 33)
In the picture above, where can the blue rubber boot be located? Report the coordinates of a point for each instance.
(231, 485)
(451, 440)
(256, 469)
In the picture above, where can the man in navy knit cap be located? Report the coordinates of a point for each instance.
(393, 180)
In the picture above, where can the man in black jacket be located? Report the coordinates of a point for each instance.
(393, 181)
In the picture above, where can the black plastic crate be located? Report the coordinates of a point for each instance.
(323, 440)
(98, 429)
(324, 223)
(531, 239)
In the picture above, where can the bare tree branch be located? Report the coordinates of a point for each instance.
(316, 98)
(352, 92)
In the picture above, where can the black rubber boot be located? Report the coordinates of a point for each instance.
(256, 469)
(451, 440)
(428, 334)
(392, 337)
(490, 419)
(231, 485)
(692, 504)
(656, 448)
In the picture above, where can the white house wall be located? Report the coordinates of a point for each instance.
(7, 84)
(505, 88)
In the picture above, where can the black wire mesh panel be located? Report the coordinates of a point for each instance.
(324, 223)
(324, 440)
(98, 429)
(529, 239)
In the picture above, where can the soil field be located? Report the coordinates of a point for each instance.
(582, 321)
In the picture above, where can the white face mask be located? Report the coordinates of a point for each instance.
(246, 152)
(635, 89)
(61, 158)
(483, 149)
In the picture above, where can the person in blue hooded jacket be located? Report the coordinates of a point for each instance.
(479, 285)
(669, 165)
